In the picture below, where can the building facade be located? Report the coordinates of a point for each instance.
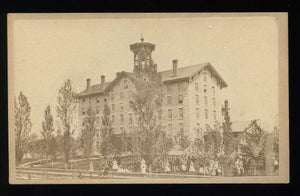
(192, 98)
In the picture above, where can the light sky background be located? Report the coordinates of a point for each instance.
(244, 50)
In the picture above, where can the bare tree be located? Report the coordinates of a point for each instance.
(22, 126)
(87, 136)
(65, 111)
(47, 133)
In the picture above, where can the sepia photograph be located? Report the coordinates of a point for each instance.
(148, 98)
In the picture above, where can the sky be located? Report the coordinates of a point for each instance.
(244, 50)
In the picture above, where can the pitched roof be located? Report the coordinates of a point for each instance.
(189, 71)
(166, 76)
(96, 88)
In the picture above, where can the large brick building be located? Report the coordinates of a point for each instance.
(192, 95)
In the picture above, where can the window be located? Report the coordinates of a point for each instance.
(112, 118)
(196, 86)
(170, 113)
(97, 109)
(214, 101)
(83, 124)
(204, 88)
(214, 90)
(204, 76)
(206, 114)
(215, 115)
(180, 87)
(121, 95)
(197, 99)
(97, 100)
(180, 98)
(169, 100)
(198, 126)
(205, 100)
(97, 144)
(83, 100)
(125, 84)
(181, 127)
(121, 129)
(169, 88)
(180, 112)
(130, 118)
(197, 113)
(83, 112)
(121, 107)
(170, 129)
(112, 107)
(112, 97)
(122, 118)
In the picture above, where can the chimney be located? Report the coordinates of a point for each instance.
(102, 80)
(88, 83)
(175, 67)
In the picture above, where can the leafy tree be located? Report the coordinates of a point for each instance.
(22, 126)
(87, 135)
(276, 143)
(253, 143)
(106, 133)
(213, 142)
(65, 111)
(148, 136)
(47, 133)
(181, 140)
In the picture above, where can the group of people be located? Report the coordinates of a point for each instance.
(238, 167)
(213, 169)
